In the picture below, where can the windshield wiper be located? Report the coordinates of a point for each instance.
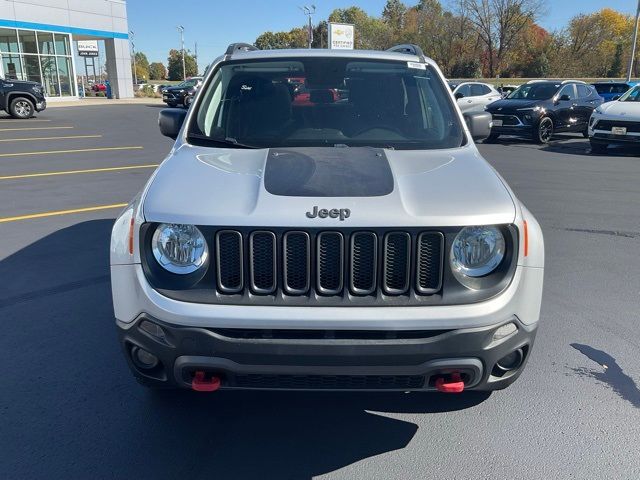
(227, 142)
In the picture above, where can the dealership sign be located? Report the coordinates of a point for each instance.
(88, 48)
(341, 36)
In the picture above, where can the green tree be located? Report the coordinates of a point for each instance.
(616, 64)
(175, 64)
(295, 38)
(393, 15)
(157, 71)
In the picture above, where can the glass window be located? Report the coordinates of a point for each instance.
(12, 67)
(477, 90)
(28, 41)
(62, 44)
(567, 90)
(355, 103)
(619, 88)
(45, 43)
(50, 76)
(8, 40)
(584, 91)
(31, 68)
(66, 81)
(535, 91)
(465, 90)
(632, 95)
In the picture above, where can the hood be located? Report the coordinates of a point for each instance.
(507, 104)
(622, 110)
(277, 187)
(21, 83)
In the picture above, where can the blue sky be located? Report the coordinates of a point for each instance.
(215, 23)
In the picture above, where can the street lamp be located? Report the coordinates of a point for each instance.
(133, 47)
(184, 68)
(309, 11)
(633, 46)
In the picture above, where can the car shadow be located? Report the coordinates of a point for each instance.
(71, 409)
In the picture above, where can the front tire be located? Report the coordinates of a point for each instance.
(597, 147)
(491, 138)
(21, 107)
(187, 101)
(544, 131)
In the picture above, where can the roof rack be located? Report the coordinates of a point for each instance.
(240, 47)
(408, 48)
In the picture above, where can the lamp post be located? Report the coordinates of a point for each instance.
(133, 47)
(309, 11)
(633, 46)
(184, 68)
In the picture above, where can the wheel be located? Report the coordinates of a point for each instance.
(491, 138)
(187, 101)
(21, 107)
(544, 131)
(597, 147)
(585, 133)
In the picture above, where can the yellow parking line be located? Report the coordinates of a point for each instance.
(81, 150)
(22, 120)
(32, 128)
(49, 138)
(61, 212)
(73, 172)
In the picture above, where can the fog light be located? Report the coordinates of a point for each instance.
(143, 359)
(504, 331)
(511, 361)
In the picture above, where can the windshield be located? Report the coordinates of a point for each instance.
(327, 102)
(535, 91)
(611, 88)
(632, 95)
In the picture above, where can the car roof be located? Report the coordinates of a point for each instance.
(324, 53)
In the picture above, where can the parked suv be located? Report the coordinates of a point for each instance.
(362, 244)
(540, 108)
(610, 91)
(21, 99)
(474, 96)
(181, 94)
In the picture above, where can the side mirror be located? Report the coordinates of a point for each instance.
(564, 98)
(479, 124)
(459, 95)
(170, 121)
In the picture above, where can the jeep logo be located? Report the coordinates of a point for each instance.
(333, 213)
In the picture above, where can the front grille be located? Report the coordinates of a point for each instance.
(607, 125)
(329, 382)
(508, 120)
(320, 264)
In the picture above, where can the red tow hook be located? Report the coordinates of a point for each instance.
(456, 385)
(201, 384)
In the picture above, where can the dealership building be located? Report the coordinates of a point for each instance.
(38, 42)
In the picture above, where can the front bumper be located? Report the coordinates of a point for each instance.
(327, 360)
(609, 139)
(41, 105)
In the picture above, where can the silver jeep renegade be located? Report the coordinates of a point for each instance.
(325, 221)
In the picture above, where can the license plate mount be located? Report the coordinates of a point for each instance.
(619, 130)
(497, 123)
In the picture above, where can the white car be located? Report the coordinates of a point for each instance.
(616, 122)
(353, 243)
(474, 96)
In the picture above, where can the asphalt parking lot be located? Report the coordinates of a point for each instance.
(70, 409)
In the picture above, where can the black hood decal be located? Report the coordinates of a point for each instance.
(328, 172)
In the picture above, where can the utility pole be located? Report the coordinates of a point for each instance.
(133, 47)
(184, 68)
(633, 46)
(309, 11)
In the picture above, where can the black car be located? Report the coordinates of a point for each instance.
(540, 108)
(181, 94)
(21, 99)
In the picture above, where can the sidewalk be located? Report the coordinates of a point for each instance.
(86, 102)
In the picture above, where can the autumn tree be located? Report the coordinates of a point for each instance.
(157, 71)
(499, 23)
(175, 65)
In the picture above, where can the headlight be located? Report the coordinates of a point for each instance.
(476, 252)
(180, 249)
